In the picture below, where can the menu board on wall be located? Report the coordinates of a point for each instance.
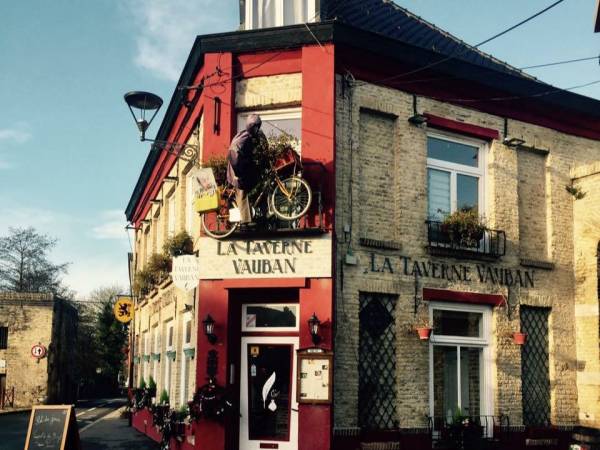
(315, 371)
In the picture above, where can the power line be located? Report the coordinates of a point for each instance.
(470, 48)
(558, 63)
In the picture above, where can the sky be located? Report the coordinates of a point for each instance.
(69, 150)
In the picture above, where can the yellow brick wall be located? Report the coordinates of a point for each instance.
(539, 226)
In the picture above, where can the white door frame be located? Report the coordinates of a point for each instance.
(245, 442)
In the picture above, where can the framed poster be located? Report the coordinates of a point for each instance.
(315, 377)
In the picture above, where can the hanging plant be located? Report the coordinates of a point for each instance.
(143, 282)
(575, 191)
(180, 244)
(218, 164)
(464, 227)
(159, 267)
(210, 402)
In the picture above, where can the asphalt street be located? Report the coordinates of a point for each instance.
(100, 428)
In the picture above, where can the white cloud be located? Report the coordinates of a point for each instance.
(111, 226)
(18, 134)
(165, 31)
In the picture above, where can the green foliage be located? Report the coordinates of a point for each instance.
(180, 244)
(151, 383)
(24, 263)
(464, 227)
(576, 192)
(164, 398)
(218, 164)
(143, 384)
(159, 266)
(181, 414)
(143, 282)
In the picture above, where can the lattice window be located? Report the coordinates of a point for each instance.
(535, 371)
(377, 362)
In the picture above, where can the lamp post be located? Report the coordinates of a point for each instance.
(313, 325)
(147, 104)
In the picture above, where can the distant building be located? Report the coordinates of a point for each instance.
(45, 326)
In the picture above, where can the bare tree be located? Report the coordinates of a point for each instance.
(24, 263)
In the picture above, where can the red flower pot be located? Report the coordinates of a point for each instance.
(424, 333)
(519, 338)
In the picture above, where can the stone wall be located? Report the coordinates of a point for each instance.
(38, 319)
(381, 184)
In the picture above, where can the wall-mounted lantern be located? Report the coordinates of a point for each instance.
(314, 325)
(209, 329)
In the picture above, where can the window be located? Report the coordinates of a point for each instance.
(171, 215)
(157, 225)
(276, 122)
(170, 335)
(275, 13)
(146, 355)
(156, 363)
(270, 317)
(455, 175)
(187, 341)
(186, 361)
(460, 367)
(3, 338)
(377, 362)
(168, 361)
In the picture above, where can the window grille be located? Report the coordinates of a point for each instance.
(535, 373)
(3, 337)
(377, 362)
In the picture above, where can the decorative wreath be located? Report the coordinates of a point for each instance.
(211, 402)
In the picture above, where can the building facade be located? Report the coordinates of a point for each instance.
(37, 349)
(404, 147)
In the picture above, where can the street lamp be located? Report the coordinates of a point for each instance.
(209, 329)
(147, 104)
(313, 325)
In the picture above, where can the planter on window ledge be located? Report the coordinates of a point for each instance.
(424, 332)
(519, 338)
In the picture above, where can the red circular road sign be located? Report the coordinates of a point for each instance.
(38, 351)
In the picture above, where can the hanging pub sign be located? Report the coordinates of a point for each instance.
(206, 191)
(123, 309)
(185, 272)
(315, 376)
(52, 427)
(294, 257)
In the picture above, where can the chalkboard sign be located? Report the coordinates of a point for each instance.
(52, 427)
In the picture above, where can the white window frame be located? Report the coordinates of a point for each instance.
(459, 169)
(270, 329)
(184, 391)
(146, 353)
(486, 389)
(169, 325)
(155, 363)
(271, 115)
(171, 214)
(279, 13)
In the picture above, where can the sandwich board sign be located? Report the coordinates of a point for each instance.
(52, 427)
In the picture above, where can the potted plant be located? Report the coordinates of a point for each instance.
(159, 266)
(160, 410)
(464, 227)
(151, 389)
(519, 337)
(143, 282)
(180, 244)
(179, 420)
(423, 329)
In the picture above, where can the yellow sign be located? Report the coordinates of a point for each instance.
(124, 309)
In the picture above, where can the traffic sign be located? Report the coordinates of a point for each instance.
(124, 309)
(38, 351)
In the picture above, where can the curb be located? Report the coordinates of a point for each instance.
(14, 411)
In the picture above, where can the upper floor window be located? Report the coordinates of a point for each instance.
(455, 175)
(276, 13)
(171, 215)
(3, 338)
(276, 122)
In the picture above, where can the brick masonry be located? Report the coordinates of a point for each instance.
(38, 319)
(382, 194)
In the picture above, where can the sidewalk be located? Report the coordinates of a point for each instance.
(14, 410)
(113, 432)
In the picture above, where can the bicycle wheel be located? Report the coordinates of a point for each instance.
(291, 199)
(216, 223)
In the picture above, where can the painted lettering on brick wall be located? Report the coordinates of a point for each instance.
(272, 258)
(482, 273)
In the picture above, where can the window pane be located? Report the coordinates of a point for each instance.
(467, 190)
(295, 11)
(469, 381)
(438, 189)
(445, 384)
(270, 316)
(264, 13)
(453, 152)
(457, 323)
(188, 332)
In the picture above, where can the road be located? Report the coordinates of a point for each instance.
(100, 428)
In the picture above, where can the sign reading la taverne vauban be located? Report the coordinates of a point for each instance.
(482, 273)
(295, 257)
